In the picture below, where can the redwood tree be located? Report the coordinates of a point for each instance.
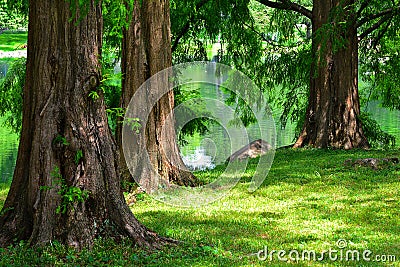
(332, 116)
(273, 48)
(66, 186)
(146, 50)
(333, 113)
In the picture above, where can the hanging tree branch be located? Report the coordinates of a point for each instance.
(287, 5)
(382, 33)
(374, 27)
(269, 41)
(383, 13)
(186, 28)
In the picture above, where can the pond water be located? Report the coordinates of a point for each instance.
(197, 156)
(201, 152)
(8, 152)
(4, 65)
(389, 120)
(223, 138)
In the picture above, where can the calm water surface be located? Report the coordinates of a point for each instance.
(201, 151)
(8, 152)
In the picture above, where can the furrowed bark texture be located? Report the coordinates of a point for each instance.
(66, 142)
(332, 117)
(146, 51)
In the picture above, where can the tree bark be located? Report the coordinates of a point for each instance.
(66, 146)
(146, 51)
(332, 116)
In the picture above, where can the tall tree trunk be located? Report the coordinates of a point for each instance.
(332, 117)
(146, 51)
(66, 148)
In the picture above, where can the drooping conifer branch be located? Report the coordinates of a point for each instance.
(370, 17)
(374, 26)
(186, 28)
(287, 5)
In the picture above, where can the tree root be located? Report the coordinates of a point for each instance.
(374, 163)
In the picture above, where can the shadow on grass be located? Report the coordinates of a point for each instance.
(308, 201)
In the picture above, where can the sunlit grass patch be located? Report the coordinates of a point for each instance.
(10, 41)
(309, 201)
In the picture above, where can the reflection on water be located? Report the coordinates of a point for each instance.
(198, 160)
(4, 65)
(388, 120)
(213, 148)
(198, 156)
(8, 152)
(223, 144)
(8, 140)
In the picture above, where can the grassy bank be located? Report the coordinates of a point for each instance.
(309, 201)
(10, 41)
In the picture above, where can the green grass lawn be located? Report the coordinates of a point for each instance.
(10, 41)
(309, 201)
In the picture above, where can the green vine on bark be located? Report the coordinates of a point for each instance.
(61, 140)
(134, 124)
(78, 156)
(69, 194)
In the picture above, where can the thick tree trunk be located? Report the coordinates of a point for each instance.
(332, 117)
(146, 51)
(66, 147)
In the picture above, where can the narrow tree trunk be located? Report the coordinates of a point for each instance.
(146, 51)
(66, 147)
(332, 117)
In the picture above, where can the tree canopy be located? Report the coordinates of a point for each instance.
(271, 41)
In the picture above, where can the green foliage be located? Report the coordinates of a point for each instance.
(265, 44)
(59, 139)
(13, 14)
(55, 173)
(78, 156)
(94, 95)
(69, 194)
(114, 115)
(116, 15)
(117, 112)
(273, 46)
(375, 135)
(111, 86)
(189, 99)
(134, 124)
(11, 88)
(381, 65)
